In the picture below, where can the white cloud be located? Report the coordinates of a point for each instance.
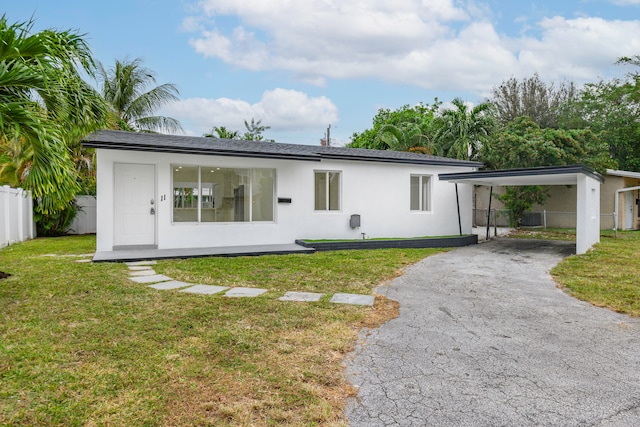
(579, 48)
(282, 109)
(434, 44)
(626, 2)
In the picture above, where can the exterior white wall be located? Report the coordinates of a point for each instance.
(588, 213)
(379, 192)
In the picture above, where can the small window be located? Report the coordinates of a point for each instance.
(420, 192)
(327, 191)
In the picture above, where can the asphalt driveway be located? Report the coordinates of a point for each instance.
(485, 338)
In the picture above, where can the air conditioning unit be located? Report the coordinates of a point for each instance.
(532, 219)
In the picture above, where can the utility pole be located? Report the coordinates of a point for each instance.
(329, 136)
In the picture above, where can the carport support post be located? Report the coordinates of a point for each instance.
(588, 213)
(489, 211)
(458, 203)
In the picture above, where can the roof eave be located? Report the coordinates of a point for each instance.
(478, 176)
(193, 150)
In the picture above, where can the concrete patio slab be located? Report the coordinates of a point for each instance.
(151, 279)
(244, 292)
(353, 299)
(301, 296)
(142, 273)
(172, 284)
(205, 289)
(139, 263)
(225, 251)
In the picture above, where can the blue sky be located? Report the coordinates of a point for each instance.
(300, 65)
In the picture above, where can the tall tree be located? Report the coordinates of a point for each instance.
(254, 131)
(524, 144)
(406, 137)
(531, 97)
(222, 133)
(45, 106)
(403, 121)
(612, 110)
(130, 90)
(463, 130)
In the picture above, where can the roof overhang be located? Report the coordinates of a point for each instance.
(624, 174)
(160, 143)
(550, 175)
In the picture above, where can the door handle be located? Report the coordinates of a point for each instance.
(153, 211)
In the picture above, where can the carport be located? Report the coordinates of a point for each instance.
(586, 180)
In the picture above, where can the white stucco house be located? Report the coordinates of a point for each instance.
(166, 191)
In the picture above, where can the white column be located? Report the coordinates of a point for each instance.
(588, 213)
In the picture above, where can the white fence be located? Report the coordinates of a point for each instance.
(85, 220)
(16, 216)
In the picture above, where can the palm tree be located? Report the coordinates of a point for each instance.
(128, 89)
(222, 133)
(15, 161)
(44, 106)
(406, 137)
(254, 130)
(462, 130)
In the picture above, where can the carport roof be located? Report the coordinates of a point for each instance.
(548, 175)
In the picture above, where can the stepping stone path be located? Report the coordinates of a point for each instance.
(142, 272)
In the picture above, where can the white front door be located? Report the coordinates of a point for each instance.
(629, 211)
(135, 204)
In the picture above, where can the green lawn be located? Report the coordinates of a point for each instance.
(608, 275)
(80, 344)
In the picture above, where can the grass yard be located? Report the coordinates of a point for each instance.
(80, 344)
(607, 276)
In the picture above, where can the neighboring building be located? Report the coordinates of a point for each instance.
(619, 197)
(165, 191)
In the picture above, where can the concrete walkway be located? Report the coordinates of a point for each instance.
(143, 272)
(485, 338)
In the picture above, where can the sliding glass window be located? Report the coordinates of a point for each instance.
(222, 194)
(420, 192)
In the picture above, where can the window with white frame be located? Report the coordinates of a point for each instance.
(214, 194)
(327, 190)
(420, 192)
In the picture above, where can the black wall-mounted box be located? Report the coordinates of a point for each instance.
(284, 199)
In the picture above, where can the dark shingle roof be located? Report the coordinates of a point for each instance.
(119, 140)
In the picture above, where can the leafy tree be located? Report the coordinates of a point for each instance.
(531, 97)
(611, 109)
(222, 133)
(463, 130)
(129, 88)
(524, 144)
(45, 106)
(403, 122)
